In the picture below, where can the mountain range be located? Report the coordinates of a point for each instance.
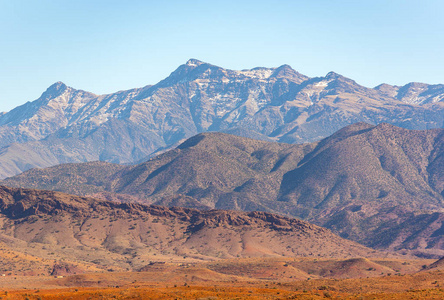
(53, 232)
(382, 186)
(275, 104)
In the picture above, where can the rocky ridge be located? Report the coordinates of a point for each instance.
(68, 125)
(123, 236)
(382, 186)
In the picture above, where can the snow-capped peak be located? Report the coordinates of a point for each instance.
(193, 62)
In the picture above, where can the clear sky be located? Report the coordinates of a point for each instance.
(103, 46)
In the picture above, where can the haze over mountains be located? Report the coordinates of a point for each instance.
(382, 185)
(279, 104)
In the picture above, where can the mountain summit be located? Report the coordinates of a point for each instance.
(280, 104)
(54, 90)
(193, 62)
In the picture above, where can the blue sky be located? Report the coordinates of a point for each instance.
(106, 46)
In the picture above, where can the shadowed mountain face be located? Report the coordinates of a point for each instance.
(68, 125)
(380, 185)
(107, 235)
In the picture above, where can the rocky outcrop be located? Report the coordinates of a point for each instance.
(83, 232)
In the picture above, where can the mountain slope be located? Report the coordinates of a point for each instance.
(56, 108)
(275, 103)
(362, 182)
(109, 235)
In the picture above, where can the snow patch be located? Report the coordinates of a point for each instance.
(321, 84)
(437, 98)
(258, 74)
(193, 63)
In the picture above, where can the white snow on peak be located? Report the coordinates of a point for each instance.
(321, 84)
(258, 73)
(193, 63)
(437, 98)
(413, 95)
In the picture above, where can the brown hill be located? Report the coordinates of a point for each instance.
(350, 268)
(380, 185)
(240, 278)
(53, 227)
(437, 265)
(78, 179)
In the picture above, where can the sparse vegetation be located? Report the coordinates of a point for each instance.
(351, 192)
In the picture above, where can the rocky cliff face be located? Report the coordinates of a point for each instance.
(68, 125)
